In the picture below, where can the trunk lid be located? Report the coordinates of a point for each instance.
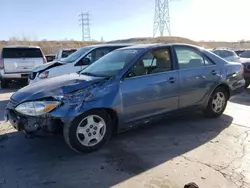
(17, 65)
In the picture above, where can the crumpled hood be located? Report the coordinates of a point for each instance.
(47, 65)
(54, 86)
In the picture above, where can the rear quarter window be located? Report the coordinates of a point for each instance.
(21, 53)
(66, 53)
(228, 53)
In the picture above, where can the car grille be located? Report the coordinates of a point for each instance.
(32, 75)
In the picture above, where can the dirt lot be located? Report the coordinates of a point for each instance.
(213, 153)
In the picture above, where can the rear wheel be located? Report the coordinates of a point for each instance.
(4, 84)
(217, 103)
(88, 132)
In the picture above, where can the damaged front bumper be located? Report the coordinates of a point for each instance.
(36, 126)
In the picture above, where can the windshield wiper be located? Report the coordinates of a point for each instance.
(89, 74)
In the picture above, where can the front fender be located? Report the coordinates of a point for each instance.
(108, 99)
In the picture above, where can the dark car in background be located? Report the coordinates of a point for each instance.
(124, 88)
(238, 52)
(245, 60)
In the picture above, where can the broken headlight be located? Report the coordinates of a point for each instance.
(36, 108)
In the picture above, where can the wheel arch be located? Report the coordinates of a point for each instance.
(222, 85)
(112, 114)
(226, 88)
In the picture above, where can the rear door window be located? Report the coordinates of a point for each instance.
(189, 58)
(22, 53)
(66, 53)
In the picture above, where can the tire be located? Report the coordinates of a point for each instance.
(4, 84)
(220, 104)
(246, 85)
(74, 134)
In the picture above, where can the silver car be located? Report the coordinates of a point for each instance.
(227, 54)
(16, 62)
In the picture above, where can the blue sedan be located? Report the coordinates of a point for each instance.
(126, 87)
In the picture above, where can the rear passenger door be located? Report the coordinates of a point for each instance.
(197, 74)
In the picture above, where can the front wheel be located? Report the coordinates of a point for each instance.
(88, 132)
(217, 103)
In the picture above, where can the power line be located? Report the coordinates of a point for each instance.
(84, 23)
(162, 17)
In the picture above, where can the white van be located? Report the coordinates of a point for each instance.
(73, 63)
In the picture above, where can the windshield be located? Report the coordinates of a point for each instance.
(74, 56)
(245, 54)
(111, 64)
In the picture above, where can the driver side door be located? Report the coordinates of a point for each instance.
(146, 92)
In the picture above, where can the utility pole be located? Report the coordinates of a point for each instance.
(84, 23)
(162, 17)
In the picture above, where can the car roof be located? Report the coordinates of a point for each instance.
(156, 45)
(226, 49)
(69, 48)
(21, 46)
(109, 45)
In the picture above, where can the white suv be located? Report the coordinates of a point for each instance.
(16, 63)
(73, 63)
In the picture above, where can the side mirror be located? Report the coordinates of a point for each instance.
(84, 61)
(129, 74)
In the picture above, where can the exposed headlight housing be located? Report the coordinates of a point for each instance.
(43, 75)
(36, 108)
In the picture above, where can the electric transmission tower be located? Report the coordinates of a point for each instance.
(162, 17)
(84, 23)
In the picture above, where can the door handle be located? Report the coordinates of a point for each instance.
(213, 72)
(171, 80)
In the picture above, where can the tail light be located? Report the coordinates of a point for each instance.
(1, 62)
